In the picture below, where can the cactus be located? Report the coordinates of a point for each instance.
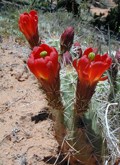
(84, 136)
(69, 87)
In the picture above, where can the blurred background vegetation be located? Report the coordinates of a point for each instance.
(62, 13)
(91, 29)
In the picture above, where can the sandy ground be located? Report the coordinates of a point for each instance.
(98, 11)
(22, 141)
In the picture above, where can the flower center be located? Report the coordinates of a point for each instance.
(43, 54)
(91, 56)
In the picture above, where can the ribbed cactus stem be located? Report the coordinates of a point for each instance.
(83, 141)
(68, 85)
(52, 91)
(59, 127)
(86, 141)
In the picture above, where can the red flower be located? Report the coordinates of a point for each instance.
(91, 66)
(28, 25)
(43, 63)
(66, 39)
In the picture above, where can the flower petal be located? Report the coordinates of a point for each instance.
(91, 71)
(87, 51)
(47, 67)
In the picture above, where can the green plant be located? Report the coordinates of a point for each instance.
(69, 96)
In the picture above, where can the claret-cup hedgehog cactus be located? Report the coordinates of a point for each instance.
(69, 81)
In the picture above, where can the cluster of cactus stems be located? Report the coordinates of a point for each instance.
(69, 84)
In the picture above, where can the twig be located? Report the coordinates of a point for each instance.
(108, 128)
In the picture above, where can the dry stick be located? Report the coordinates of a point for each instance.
(107, 125)
(113, 71)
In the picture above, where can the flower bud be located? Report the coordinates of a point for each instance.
(117, 56)
(28, 25)
(66, 39)
(67, 58)
(78, 50)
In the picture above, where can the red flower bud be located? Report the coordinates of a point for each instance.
(67, 58)
(77, 49)
(117, 56)
(66, 39)
(28, 25)
(91, 66)
(43, 63)
(77, 44)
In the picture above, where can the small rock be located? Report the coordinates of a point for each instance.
(24, 60)
(11, 69)
(1, 75)
(10, 117)
(2, 120)
(22, 117)
(8, 137)
(11, 52)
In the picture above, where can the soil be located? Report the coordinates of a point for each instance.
(26, 135)
(98, 11)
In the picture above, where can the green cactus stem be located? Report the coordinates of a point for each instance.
(52, 91)
(84, 136)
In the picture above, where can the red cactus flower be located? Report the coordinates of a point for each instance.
(91, 66)
(28, 25)
(43, 62)
(66, 39)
